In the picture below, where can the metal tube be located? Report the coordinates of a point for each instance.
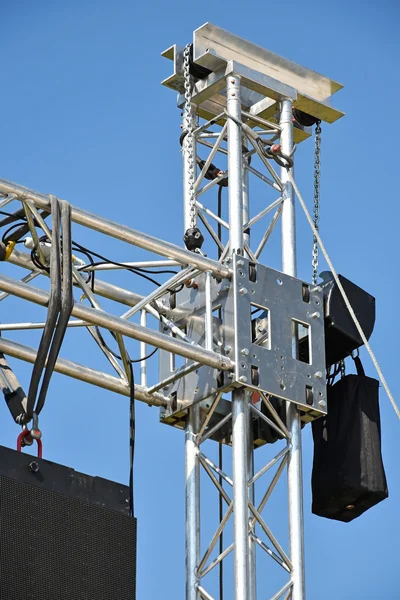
(143, 350)
(215, 562)
(210, 463)
(176, 375)
(159, 291)
(235, 165)
(267, 234)
(264, 178)
(22, 326)
(72, 369)
(269, 464)
(122, 232)
(262, 213)
(210, 157)
(192, 464)
(215, 481)
(282, 591)
(239, 400)
(214, 429)
(251, 492)
(270, 552)
(209, 414)
(215, 537)
(132, 330)
(106, 290)
(203, 593)
(240, 494)
(295, 488)
(211, 214)
(144, 264)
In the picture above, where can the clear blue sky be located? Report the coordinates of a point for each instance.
(84, 116)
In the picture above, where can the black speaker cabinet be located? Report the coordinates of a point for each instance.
(63, 535)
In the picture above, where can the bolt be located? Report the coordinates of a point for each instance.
(242, 379)
(321, 403)
(240, 262)
(231, 375)
(233, 94)
(196, 390)
(243, 291)
(261, 329)
(33, 466)
(245, 351)
(223, 364)
(232, 81)
(228, 349)
(318, 375)
(315, 315)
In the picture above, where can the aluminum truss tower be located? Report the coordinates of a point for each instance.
(252, 338)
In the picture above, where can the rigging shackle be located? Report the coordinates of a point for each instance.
(21, 438)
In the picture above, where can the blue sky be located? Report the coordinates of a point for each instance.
(84, 117)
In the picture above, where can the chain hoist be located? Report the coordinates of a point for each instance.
(317, 174)
(188, 131)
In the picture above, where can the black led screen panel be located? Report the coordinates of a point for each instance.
(63, 535)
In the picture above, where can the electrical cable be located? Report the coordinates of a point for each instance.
(220, 456)
(132, 428)
(345, 298)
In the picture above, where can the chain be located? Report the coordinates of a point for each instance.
(342, 368)
(317, 174)
(188, 129)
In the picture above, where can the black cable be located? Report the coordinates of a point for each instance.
(5, 234)
(220, 457)
(107, 347)
(131, 437)
(96, 264)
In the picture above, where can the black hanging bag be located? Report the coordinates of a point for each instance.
(348, 476)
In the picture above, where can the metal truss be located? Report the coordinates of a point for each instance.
(235, 322)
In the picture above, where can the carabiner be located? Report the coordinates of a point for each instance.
(25, 434)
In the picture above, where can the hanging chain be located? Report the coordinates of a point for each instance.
(188, 129)
(317, 174)
(342, 368)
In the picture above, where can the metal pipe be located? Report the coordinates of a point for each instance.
(122, 232)
(240, 494)
(239, 401)
(144, 264)
(192, 464)
(132, 330)
(214, 429)
(282, 591)
(102, 288)
(175, 376)
(210, 463)
(235, 165)
(159, 291)
(273, 126)
(262, 213)
(295, 487)
(77, 371)
(211, 214)
(267, 234)
(143, 350)
(25, 279)
(209, 414)
(22, 326)
(264, 178)
(251, 492)
(203, 593)
(270, 552)
(269, 464)
(215, 562)
(215, 537)
(218, 484)
(210, 157)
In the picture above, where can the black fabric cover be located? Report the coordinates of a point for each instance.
(348, 476)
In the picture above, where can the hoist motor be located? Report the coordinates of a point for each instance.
(341, 334)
